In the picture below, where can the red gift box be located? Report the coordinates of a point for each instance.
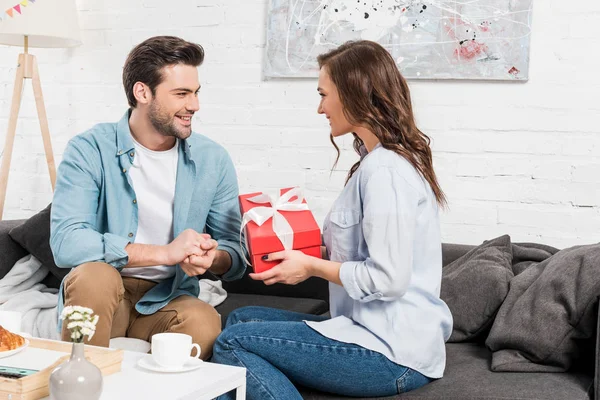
(263, 240)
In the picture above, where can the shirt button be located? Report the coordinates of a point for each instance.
(130, 234)
(124, 170)
(131, 154)
(134, 201)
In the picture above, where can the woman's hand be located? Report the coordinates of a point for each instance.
(295, 267)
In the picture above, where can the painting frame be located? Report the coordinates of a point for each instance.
(474, 40)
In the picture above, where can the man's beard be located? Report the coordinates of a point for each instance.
(165, 124)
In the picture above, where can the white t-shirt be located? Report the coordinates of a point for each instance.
(154, 174)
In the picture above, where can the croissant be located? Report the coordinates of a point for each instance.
(9, 340)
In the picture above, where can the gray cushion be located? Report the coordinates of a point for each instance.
(34, 236)
(468, 377)
(474, 286)
(527, 254)
(10, 251)
(236, 300)
(561, 290)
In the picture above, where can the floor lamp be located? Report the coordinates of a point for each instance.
(33, 23)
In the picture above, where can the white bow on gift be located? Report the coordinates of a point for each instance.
(282, 228)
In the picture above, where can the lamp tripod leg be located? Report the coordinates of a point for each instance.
(12, 129)
(41, 110)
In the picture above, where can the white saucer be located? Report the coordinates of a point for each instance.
(147, 362)
(15, 351)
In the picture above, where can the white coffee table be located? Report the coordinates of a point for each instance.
(205, 383)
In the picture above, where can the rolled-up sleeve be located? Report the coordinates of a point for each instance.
(390, 206)
(74, 239)
(223, 221)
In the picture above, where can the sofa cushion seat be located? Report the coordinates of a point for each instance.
(468, 377)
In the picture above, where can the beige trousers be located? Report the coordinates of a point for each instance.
(100, 287)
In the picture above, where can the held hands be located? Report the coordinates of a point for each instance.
(198, 264)
(193, 251)
(295, 267)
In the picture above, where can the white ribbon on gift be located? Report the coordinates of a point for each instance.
(282, 228)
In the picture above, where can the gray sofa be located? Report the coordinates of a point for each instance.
(467, 377)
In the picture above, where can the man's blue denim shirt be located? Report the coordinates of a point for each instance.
(94, 209)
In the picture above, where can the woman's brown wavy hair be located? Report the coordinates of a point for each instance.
(374, 95)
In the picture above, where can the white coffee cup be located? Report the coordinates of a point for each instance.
(172, 350)
(11, 320)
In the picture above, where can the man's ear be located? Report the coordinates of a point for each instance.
(142, 93)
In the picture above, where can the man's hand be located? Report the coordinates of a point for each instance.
(198, 264)
(187, 244)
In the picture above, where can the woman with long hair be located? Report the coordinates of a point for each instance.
(383, 256)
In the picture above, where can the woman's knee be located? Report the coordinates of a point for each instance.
(244, 314)
(227, 339)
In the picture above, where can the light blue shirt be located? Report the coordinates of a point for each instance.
(384, 228)
(95, 214)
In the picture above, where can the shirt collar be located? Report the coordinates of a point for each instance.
(362, 150)
(124, 141)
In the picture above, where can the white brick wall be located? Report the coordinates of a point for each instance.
(517, 158)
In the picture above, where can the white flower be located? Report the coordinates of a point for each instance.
(80, 321)
(74, 324)
(66, 311)
(76, 316)
(84, 310)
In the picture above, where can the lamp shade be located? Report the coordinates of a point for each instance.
(47, 23)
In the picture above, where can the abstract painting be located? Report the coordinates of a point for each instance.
(432, 39)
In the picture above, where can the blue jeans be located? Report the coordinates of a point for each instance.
(278, 351)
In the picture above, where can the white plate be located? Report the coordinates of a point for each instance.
(15, 351)
(147, 362)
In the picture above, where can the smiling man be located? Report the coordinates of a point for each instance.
(142, 207)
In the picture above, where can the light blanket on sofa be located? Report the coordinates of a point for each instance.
(21, 290)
